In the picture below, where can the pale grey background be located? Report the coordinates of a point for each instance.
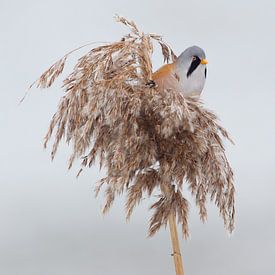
(50, 223)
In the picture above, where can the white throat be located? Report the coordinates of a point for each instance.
(194, 83)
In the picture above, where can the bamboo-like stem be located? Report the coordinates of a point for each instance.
(175, 243)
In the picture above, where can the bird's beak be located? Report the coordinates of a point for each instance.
(204, 61)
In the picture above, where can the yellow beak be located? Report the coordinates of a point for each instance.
(204, 61)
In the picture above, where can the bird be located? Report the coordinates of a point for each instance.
(186, 75)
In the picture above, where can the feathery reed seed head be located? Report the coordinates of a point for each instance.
(109, 112)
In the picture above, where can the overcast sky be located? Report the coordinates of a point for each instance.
(50, 222)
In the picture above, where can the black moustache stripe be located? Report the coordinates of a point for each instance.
(195, 63)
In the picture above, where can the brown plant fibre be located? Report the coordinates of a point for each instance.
(148, 140)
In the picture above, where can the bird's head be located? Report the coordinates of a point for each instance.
(191, 66)
(191, 59)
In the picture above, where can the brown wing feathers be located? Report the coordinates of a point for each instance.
(166, 78)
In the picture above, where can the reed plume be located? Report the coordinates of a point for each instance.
(149, 141)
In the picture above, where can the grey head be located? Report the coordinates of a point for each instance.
(190, 59)
(191, 70)
(193, 51)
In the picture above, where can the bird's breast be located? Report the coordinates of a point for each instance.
(193, 84)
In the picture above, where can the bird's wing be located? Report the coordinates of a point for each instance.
(166, 77)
